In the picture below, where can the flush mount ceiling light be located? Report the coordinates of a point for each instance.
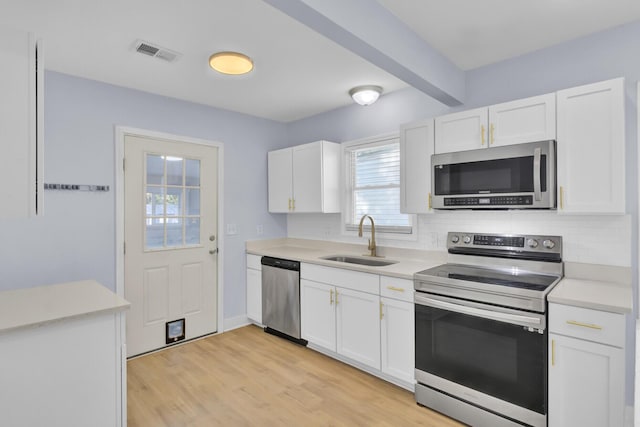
(231, 63)
(365, 95)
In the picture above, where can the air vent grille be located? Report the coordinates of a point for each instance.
(156, 51)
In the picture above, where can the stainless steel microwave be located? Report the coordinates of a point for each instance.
(520, 176)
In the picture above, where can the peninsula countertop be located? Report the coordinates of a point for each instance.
(34, 307)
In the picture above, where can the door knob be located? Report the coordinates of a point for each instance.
(213, 251)
(212, 237)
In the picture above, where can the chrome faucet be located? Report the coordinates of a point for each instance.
(372, 240)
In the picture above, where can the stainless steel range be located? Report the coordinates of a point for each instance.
(481, 336)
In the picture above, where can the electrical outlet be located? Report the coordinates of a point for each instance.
(259, 229)
(231, 229)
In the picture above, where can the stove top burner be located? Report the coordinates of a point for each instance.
(514, 279)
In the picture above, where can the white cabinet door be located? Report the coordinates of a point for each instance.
(358, 326)
(318, 314)
(254, 295)
(524, 120)
(586, 383)
(280, 180)
(591, 147)
(21, 125)
(466, 130)
(307, 177)
(416, 148)
(398, 339)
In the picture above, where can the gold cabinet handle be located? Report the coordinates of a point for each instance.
(289, 204)
(584, 325)
(482, 134)
(331, 297)
(491, 138)
(429, 200)
(381, 310)
(553, 352)
(561, 197)
(336, 297)
(293, 204)
(393, 288)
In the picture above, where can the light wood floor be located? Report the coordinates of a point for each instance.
(246, 377)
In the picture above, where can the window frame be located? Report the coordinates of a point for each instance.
(349, 228)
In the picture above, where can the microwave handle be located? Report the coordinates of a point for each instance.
(537, 191)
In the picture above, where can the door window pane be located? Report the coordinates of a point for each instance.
(193, 201)
(155, 169)
(192, 231)
(192, 175)
(172, 202)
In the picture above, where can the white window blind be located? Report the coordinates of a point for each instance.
(374, 186)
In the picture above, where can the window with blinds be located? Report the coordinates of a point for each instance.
(373, 172)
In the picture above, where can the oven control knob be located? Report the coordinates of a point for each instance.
(455, 239)
(466, 239)
(532, 243)
(549, 244)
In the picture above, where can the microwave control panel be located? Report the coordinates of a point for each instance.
(489, 201)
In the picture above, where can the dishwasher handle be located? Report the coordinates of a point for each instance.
(285, 264)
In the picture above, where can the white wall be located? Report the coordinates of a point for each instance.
(75, 238)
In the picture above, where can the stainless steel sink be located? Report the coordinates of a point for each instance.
(371, 262)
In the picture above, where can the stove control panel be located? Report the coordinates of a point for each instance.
(487, 243)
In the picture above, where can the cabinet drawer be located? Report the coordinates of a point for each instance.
(396, 288)
(594, 325)
(356, 280)
(253, 261)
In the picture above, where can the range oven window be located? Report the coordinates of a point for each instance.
(499, 359)
(511, 175)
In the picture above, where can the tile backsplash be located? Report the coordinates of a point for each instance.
(592, 239)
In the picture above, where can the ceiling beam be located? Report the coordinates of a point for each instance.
(371, 31)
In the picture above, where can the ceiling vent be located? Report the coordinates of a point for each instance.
(156, 51)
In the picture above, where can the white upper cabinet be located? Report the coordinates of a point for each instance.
(21, 124)
(305, 178)
(416, 148)
(515, 122)
(280, 180)
(591, 147)
(466, 130)
(524, 120)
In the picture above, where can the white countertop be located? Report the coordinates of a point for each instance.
(600, 287)
(35, 307)
(409, 261)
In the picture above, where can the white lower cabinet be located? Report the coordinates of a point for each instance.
(254, 289)
(318, 313)
(586, 367)
(360, 322)
(358, 326)
(397, 339)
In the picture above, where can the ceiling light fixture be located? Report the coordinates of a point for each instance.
(365, 95)
(234, 63)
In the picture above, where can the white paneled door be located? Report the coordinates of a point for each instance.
(171, 240)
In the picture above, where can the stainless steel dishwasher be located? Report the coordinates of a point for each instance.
(281, 298)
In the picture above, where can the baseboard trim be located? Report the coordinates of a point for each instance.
(232, 323)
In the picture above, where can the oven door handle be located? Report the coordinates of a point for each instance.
(478, 312)
(537, 190)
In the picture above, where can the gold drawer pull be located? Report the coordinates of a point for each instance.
(331, 297)
(584, 325)
(393, 288)
(553, 352)
(381, 310)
